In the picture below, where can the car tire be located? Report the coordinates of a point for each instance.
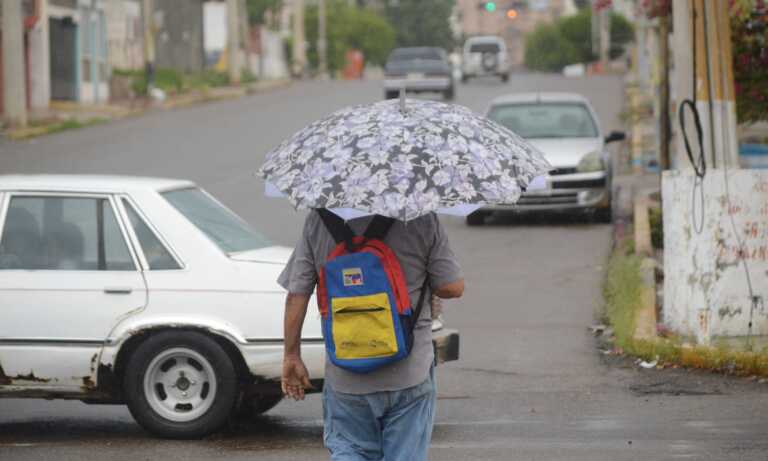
(604, 215)
(505, 78)
(449, 94)
(181, 385)
(476, 218)
(464, 78)
(391, 94)
(261, 404)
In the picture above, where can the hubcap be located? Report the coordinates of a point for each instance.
(180, 384)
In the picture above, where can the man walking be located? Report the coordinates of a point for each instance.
(388, 413)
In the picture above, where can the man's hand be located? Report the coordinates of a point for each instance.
(295, 377)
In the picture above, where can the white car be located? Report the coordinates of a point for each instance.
(147, 292)
(565, 127)
(485, 56)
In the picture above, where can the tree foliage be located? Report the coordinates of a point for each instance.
(422, 22)
(258, 8)
(349, 28)
(749, 35)
(550, 47)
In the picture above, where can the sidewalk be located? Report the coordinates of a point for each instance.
(66, 115)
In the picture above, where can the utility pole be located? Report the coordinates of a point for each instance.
(605, 37)
(245, 34)
(664, 120)
(322, 39)
(14, 83)
(233, 42)
(148, 17)
(682, 51)
(299, 48)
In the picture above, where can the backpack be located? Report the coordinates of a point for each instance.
(362, 296)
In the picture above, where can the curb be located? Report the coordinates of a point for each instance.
(645, 317)
(192, 99)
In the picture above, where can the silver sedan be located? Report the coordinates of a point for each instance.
(564, 126)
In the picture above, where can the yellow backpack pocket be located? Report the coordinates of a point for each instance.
(363, 327)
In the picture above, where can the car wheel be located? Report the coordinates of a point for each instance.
(391, 94)
(604, 215)
(180, 385)
(505, 78)
(449, 94)
(476, 218)
(464, 78)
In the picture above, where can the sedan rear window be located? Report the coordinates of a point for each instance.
(546, 120)
(410, 54)
(485, 48)
(221, 225)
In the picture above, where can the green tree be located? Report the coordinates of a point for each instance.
(569, 40)
(258, 8)
(349, 28)
(547, 50)
(422, 22)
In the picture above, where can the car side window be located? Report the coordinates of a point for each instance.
(157, 255)
(63, 233)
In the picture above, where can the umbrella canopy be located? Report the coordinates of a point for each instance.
(403, 159)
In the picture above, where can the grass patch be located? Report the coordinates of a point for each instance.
(42, 128)
(73, 124)
(622, 293)
(172, 81)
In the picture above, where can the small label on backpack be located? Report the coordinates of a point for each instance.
(353, 277)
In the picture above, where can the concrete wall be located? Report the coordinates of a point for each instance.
(124, 34)
(705, 288)
(179, 40)
(39, 61)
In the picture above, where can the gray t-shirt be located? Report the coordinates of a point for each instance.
(423, 250)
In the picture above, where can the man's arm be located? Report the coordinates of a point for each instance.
(295, 376)
(451, 290)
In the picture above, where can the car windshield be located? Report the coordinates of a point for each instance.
(226, 229)
(484, 48)
(547, 120)
(410, 54)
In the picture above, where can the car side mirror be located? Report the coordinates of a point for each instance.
(615, 136)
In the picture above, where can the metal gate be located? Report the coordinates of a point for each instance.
(63, 35)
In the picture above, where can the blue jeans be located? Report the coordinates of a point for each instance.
(388, 426)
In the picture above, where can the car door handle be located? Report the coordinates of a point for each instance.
(118, 290)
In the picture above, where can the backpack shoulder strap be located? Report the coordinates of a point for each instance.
(378, 227)
(340, 230)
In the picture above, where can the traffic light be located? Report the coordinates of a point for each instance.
(511, 13)
(489, 6)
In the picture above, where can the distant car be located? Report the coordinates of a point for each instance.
(418, 69)
(147, 292)
(485, 56)
(565, 127)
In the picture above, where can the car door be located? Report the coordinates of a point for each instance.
(67, 275)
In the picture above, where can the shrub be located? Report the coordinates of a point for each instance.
(550, 47)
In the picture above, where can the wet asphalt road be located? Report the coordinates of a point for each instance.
(530, 384)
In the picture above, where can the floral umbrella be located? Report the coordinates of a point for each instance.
(402, 159)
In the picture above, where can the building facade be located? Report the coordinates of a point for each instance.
(125, 41)
(510, 19)
(79, 64)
